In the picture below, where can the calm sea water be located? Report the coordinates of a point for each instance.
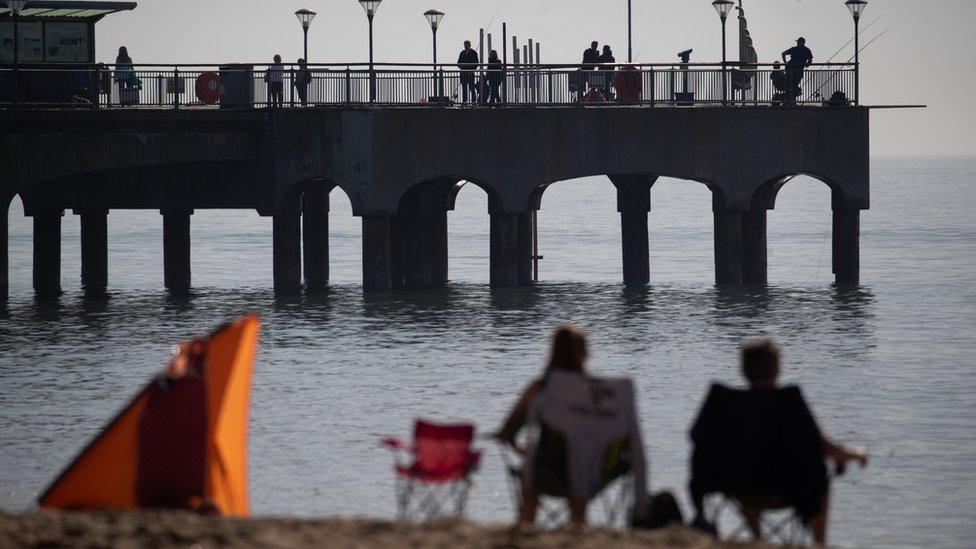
(888, 365)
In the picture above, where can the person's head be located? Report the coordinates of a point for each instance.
(776, 65)
(801, 41)
(277, 58)
(493, 55)
(606, 48)
(568, 350)
(594, 45)
(123, 52)
(301, 61)
(467, 44)
(761, 362)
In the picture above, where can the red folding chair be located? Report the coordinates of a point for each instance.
(434, 473)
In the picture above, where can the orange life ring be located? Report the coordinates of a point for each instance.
(208, 88)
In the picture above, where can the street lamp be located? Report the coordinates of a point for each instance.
(305, 18)
(16, 6)
(370, 7)
(630, 35)
(434, 18)
(723, 7)
(857, 8)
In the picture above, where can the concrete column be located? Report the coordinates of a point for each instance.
(287, 252)
(4, 250)
(94, 250)
(754, 262)
(504, 249)
(176, 249)
(47, 253)
(397, 250)
(376, 252)
(525, 248)
(634, 205)
(438, 248)
(847, 246)
(728, 248)
(417, 249)
(315, 236)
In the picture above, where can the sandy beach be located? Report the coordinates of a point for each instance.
(179, 529)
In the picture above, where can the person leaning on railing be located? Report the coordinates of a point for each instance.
(800, 58)
(124, 72)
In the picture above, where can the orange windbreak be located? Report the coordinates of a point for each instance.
(117, 470)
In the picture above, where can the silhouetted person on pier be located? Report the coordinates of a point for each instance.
(606, 73)
(782, 93)
(496, 77)
(591, 56)
(468, 63)
(275, 78)
(123, 69)
(763, 448)
(800, 57)
(303, 77)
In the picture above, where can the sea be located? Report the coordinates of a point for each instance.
(889, 365)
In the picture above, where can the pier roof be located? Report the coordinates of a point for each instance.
(72, 9)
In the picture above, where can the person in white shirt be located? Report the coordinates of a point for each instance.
(275, 78)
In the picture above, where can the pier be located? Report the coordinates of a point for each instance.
(401, 166)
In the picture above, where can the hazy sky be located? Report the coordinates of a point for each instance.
(923, 59)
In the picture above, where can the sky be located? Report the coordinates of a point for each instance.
(922, 59)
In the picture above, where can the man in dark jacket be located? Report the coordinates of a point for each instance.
(468, 63)
(800, 58)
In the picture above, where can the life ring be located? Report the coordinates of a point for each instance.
(208, 88)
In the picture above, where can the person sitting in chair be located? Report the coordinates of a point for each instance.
(763, 448)
(587, 433)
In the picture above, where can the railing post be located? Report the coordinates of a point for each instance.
(348, 85)
(291, 87)
(176, 88)
(653, 87)
(549, 83)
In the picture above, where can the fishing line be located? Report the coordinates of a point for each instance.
(848, 43)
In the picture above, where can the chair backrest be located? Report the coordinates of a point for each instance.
(756, 441)
(440, 448)
(597, 417)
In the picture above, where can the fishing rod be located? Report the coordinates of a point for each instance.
(860, 32)
(829, 80)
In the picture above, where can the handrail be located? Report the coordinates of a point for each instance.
(453, 66)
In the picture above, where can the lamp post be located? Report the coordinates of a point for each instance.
(630, 34)
(857, 8)
(16, 6)
(305, 18)
(434, 18)
(723, 7)
(370, 7)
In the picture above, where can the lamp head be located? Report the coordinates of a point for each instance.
(434, 18)
(305, 17)
(856, 7)
(370, 6)
(723, 7)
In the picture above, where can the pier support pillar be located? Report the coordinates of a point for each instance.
(438, 247)
(525, 248)
(176, 249)
(397, 252)
(504, 250)
(847, 246)
(376, 252)
(728, 248)
(754, 258)
(315, 236)
(417, 249)
(94, 250)
(634, 205)
(287, 252)
(4, 249)
(47, 253)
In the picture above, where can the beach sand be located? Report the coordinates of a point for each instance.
(179, 529)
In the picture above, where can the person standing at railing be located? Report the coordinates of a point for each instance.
(800, 57)
(468, 62)
(591, 57)
(302, 78)
(607, 58)
(496, 77)
(275, 78)
(126, 78)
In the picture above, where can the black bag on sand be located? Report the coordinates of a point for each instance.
(662, 510)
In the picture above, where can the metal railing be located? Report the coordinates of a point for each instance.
(243, 86)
